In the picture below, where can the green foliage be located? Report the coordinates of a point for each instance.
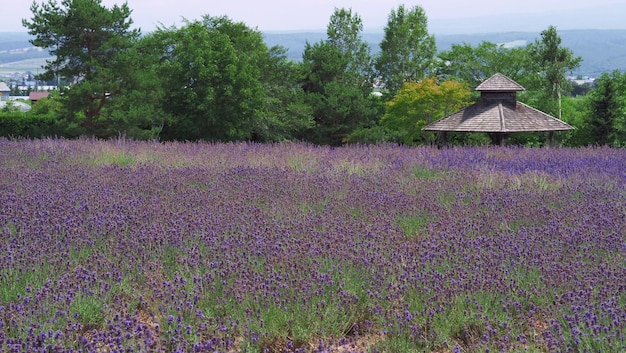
(339, 110)
(139, 114)
(375, 134)
(553, 62)
(10, 107)
(407, 50)
(420, 103)
(46, 118)
(14, 285)
(344, 33)
(90, 44)
(475, 64)
(215, 79)
(18, 124)
(340, 308)
(528, 139)
(468, 139)
(607, 110)
(337, 83)
(50, 105)
(285, 113)
(89, 310)
(212, 78)
(576, 113)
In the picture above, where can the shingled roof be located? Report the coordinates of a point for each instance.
(499, 83)
(501, 118)
(498, 111)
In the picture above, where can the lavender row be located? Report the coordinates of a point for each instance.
(134, 246)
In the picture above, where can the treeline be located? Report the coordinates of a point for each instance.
(215, 79)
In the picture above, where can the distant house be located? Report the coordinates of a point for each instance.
(35, 96)
(5, 91)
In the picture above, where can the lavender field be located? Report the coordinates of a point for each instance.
(126, 246)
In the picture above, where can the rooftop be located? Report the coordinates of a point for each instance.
(499, 83)
(498, 111)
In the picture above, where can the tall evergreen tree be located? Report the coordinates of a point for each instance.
(337, 81)
(90, 45)
(608, 110)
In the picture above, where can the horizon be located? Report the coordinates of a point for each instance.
(449, 17)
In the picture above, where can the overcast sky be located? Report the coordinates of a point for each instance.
(280, 15)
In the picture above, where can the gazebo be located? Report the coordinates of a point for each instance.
(498, 113)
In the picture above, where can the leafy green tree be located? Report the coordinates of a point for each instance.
(337, 83)
(475, 64)
(419, 103)
(50, 105)
(344, 33)
(407, 51)
(10, 107)
(619, 137)
(576, 112)
(286, 113)
(607, 115)
(580, 89)
(553, 62)
(139, 113)
(90, 45)
(212, 79)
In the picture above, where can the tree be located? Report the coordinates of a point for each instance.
(553, 62)
(138, 114)
(90, 44)
(344, 33)
(210, 71)
(407, 49)
(337, 82)
(419, 103)
(339, 106)
(285, 113)
(576, 112)
(15, 89)
(50, 106)
(607, 117)
(10, 107)
(475, 64)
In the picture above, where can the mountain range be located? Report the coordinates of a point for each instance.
(602, 50)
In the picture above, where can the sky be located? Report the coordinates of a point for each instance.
(298, 15)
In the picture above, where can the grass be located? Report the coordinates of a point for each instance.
(113, 157)
(89, 309)
(415, 226)
(16, 284)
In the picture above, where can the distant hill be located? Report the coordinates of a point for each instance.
(18, 55)
(601, 50)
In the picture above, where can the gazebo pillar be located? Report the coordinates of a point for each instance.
(551, 138)
(441, 139)
(498, 138)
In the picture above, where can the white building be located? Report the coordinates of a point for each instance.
(5, 91)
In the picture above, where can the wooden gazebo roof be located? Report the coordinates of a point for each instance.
(499, 83)
(498, 111)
